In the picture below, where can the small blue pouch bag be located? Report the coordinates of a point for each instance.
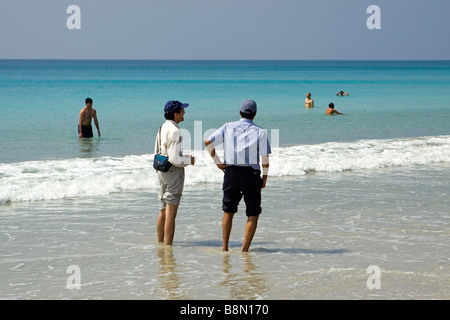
(161, 162)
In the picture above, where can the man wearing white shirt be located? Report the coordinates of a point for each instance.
(171, 182)
(243, 143)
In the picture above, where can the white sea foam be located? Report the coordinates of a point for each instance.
(59, 179)
(360, 155)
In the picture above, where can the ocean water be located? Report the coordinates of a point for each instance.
(368, 188)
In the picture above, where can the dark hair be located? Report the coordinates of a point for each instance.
(88, 100)
(331, 105)
(247, 114)
(170, 115)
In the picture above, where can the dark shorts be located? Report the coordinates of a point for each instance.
(86, 131)
(242, 182)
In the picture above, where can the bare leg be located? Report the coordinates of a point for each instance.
(160, 225)
(250, 230)
(169, 226)
(227, 223)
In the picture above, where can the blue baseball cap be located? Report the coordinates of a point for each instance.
(248, 106)
(173, 106)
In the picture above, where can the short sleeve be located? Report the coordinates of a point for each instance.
(264, 146)
(217, 137)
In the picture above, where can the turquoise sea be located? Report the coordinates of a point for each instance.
(41, 101)
(370, 187)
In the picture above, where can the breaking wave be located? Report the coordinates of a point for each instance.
(72, 178)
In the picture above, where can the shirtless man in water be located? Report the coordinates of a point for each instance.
(331, 110)
(309, 103)
(86, 115)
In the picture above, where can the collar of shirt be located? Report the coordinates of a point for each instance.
(173, 122)
(246, 120)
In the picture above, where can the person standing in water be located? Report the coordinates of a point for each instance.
(244, 144)
(309, 103)
(171, 183)
(85, 124)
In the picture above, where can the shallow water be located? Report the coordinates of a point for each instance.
(316, 238)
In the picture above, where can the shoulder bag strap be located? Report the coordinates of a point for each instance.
(159, 140)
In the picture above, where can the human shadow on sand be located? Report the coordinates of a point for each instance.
(299, 250)
(256, 247)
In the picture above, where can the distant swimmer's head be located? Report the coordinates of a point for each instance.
(308, 95)
(331, 105)
(248, 109)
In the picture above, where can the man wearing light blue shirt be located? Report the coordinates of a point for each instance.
(243, 143)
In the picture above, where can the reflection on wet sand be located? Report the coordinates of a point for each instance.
(168, 275)
(251, 285)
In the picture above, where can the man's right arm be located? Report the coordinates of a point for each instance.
(212, 152)
(265, 166)
(80, 134)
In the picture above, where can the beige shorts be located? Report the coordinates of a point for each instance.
(171, 186)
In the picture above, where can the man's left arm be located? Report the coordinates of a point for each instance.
(96, 122)
(176, 156)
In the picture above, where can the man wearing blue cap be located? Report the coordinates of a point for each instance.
(168, 142)
(243, 143)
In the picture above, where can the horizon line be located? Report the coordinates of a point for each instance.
(287, 60)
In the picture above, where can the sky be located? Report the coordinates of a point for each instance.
(226, 29)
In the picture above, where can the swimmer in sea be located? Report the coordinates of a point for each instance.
(86, 115)
(309, 103)
(331, 110)
(342, 93)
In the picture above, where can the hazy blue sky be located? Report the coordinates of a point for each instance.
(225, 29)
